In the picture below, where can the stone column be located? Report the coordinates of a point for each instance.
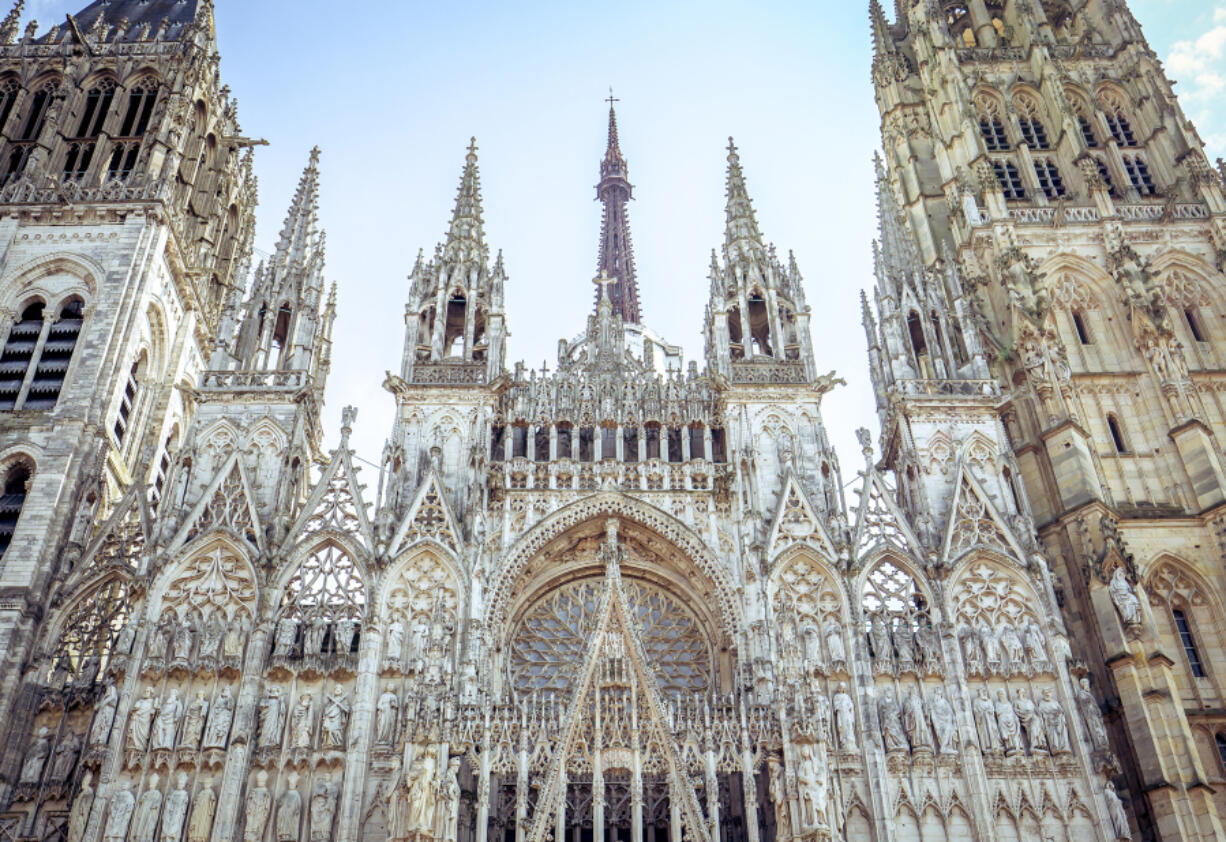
(521, 783)
(49, 319)
(483, 783)
(359, 735)
(242, 734)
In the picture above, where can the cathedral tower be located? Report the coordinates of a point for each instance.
(128, 206)
(1059, 211)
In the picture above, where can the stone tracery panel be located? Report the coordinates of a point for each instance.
(92, 635)
(548, 644)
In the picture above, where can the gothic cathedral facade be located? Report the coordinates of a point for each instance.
(626, 600)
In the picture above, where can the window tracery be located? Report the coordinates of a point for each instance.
(901, 635)
(974, 525)
(327, 584)
(228, 508)
(548, 645)
(91, 634)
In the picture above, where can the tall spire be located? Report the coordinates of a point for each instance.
(466, 235)
(616, 251)
(298, 235)
(742, 238)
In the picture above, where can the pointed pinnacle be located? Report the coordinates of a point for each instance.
(740, 222)
(298, 233)
(466, 234)
(10, 27)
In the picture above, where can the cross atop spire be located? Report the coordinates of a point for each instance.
(741, 233)
(616, 258)
(466, 234)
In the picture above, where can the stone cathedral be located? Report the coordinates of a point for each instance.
(635, 598)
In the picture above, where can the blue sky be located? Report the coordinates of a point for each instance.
(392, 92)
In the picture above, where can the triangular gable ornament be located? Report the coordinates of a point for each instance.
(335, 504)
(974, 522)
(227, 503)
(124, 535)
(879, 521)
(796, 522)
(429, 516)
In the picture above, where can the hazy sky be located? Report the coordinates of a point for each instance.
(392, 92)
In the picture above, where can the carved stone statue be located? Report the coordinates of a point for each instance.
(385, 717)
(1125, 598)
(845, 718)
(144, 823)
(316, 631)
(449, 792)
(259, 805)
(890, 718)
(210, 638)
(879, 637)
(346, 631)
(1015, 653)
(127, 637)
(286, 637)
(236, 637)
(1092, 716)
(271, 718)
(1008, 725)
(834, 644)
(323, 809)
(120, 815)
(991, 648)
(904, 644)
(985, 722)
(420, 633)
(159, 641)
(915, 719)
(1055, 723)
(1036, 648)
(972, 654)
(823, 717)
(141, 722)
(167, 722)
(813, 783)
(336, 714)
(394, 652)
(944, 722)
(175, 812)
(204, 807)
(36, 758)
(193, 722)
(423, 793)
(104, 716)
(778, 793)
(1115, 809)
(1031, 721)
(302, 722)
(185, 635)
(929, 646)
(78, 816)
(66, 754)
(219, 723)
(289, 811)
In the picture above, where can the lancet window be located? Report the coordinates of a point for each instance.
(1010, 180)
(1139, 175)
(991, 125)
(127, 403)
(759, 325)
(1104, 172)
(326, 591)
(1033, 130)
(9, 89)
(36, 357)
(91, 635)
(1188, 641)
(1047, 173)
(453, 334)
(1116, 114)
(1192, 318)
(142, 96)
(899, 622)
(1117, 434)
(98, 101)
(16, 485)
(1220, 741)
(24, 141)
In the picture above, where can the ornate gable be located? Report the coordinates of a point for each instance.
(974, 522)
(227, 503)
(879, 522)
(796, 523)
(429, 517)
(335, 503)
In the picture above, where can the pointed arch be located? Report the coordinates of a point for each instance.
(681, 542)
(82, 639)
(420, 576)
(213, 574)
(975, 524)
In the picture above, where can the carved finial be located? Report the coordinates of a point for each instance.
(9, 28)
(866, 442)
(603, 281)
(348, 415)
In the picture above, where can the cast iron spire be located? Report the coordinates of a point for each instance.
(616, 253)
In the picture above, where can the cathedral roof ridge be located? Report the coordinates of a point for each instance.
(169, 17)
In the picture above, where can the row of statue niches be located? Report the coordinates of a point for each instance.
(819, 648)
(901, 644)
(171, 812)
(419, 646)
(1006, 650)
(194, 644)
(315, 636)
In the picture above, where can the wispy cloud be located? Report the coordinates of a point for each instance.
(1200, 64)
